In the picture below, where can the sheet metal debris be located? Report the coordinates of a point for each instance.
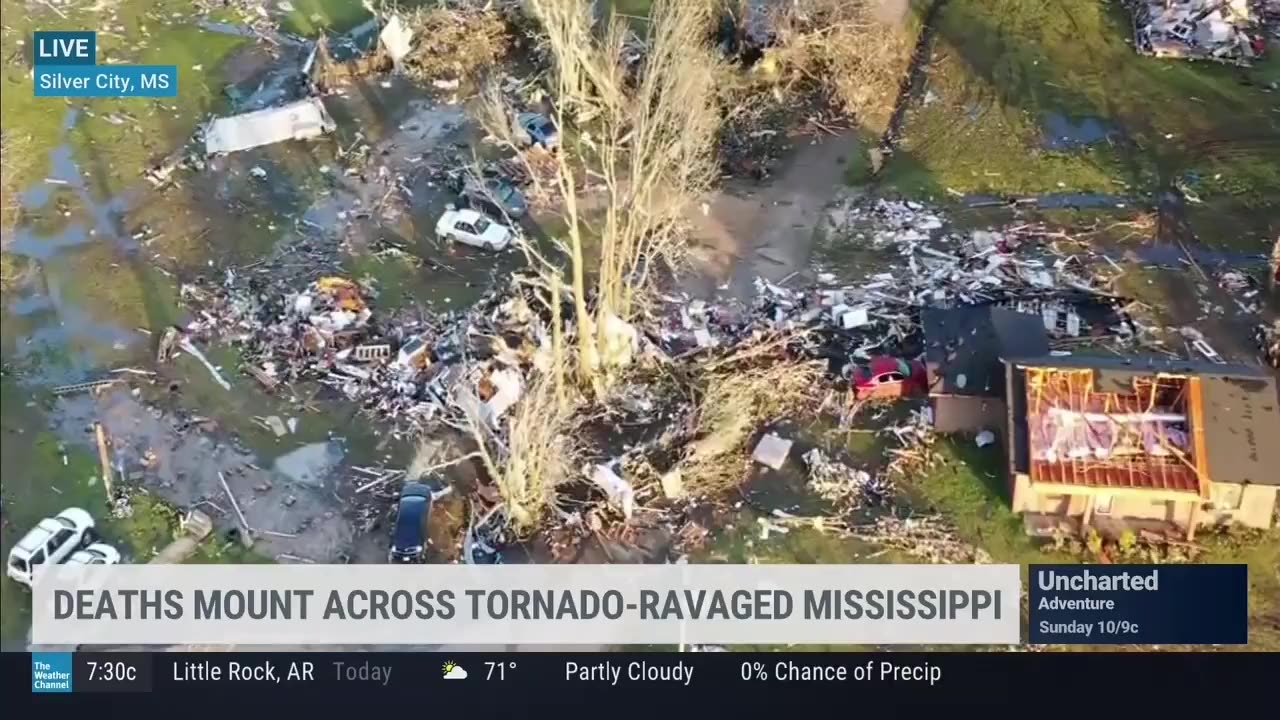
(301, 120)
(772, 451)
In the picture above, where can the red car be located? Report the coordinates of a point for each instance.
(889, 377)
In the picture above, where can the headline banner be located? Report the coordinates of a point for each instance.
(526, 604)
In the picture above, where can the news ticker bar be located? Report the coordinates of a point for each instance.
(932, 676)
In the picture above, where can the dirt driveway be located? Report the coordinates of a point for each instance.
(767, 229)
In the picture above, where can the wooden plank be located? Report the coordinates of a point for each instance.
(1198, 442)
(104, 455)
(85, 386)
(244, 523)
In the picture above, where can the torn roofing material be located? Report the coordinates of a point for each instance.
(964, 346)
(1134, 437)
(1144, 423)
(299, 120)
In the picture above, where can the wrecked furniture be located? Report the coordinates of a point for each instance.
(196, 526)
(301, 120)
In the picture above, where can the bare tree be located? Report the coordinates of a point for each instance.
(645, 135)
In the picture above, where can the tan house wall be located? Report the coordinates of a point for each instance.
(960, 413)
(1249, 505)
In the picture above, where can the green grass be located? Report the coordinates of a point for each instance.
(1261, 552)
(968, 486)
(113, 154)
(397, 278)
(311, 17)
(635, 8)
(1001, 67)
(155, 523)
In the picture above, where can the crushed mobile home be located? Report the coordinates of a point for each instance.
(299, 120)
(1118, 444)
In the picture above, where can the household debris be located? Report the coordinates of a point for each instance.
(1268, 338)
(619, 491)
(84, 386)
(193, 351)
(845, 487)
(1224, 30)
(301, 120)
(687, 436)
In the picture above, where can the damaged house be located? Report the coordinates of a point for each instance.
(1116, 444)
(1107, 443)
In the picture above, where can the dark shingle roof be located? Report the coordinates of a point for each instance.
(964, 346)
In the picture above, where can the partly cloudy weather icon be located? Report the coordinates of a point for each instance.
(454, 671)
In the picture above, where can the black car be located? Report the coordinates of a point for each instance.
(409, 539)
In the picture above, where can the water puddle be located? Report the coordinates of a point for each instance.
(1062, 133)
(1053, 201)
(176, 459)
(1173, 256)
(58, 326)
(310, 464)
(91, 220)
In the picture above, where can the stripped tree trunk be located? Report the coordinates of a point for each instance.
(1275, 266)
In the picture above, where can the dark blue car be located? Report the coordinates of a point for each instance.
(409, 539)
(539, 130)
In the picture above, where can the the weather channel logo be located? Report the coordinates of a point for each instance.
(50, 672)
(66, 65)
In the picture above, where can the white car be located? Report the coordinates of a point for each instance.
(471, 228)
(48, 543)
(96, 554)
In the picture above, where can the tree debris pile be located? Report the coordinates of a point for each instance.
(844, 48)
(812, 66)
(755, 387)
(928, 537)
(457, 40)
